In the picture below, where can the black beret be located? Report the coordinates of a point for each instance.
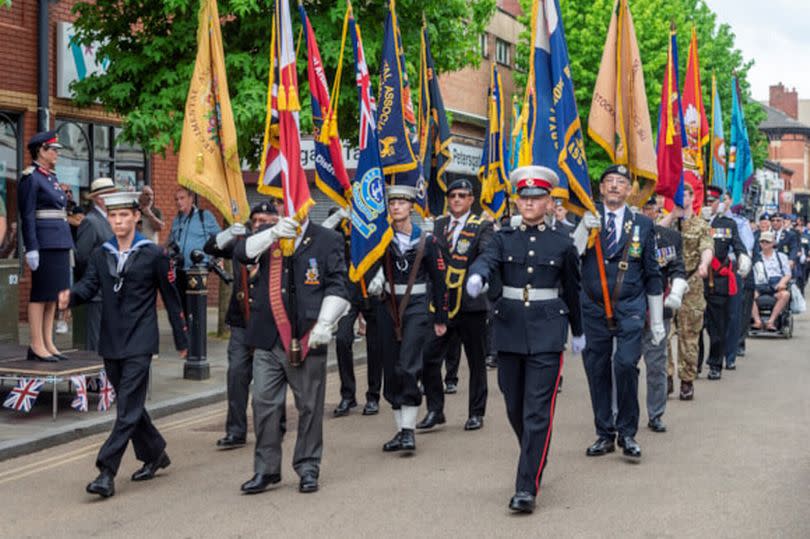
(459, 184)
(621, 170)
(265, 206)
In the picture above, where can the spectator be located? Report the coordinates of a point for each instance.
(772, 277)
(75, 213)
(151, 217)
(191, 228)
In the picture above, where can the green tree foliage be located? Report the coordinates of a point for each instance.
(151, 45)
(586, 23)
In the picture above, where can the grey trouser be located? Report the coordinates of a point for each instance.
(271, 374)
(240, 373)
(655, 360)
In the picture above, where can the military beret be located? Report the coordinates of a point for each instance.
(265, 206)
(534, 181)
(46, 137)
(777, 215)
(461, 184)
(651, 201)
(621, 170)
(765, 217)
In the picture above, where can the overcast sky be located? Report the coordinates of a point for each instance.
(776, 34)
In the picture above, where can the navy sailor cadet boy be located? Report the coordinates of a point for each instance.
(532, 270)
(635, 290)
(129, 270)
(411, 277)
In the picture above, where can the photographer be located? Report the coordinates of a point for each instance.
(190, 230)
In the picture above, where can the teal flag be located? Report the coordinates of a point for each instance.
(740, 162)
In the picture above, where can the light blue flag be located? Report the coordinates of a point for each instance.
(718, 170)
(740, 162)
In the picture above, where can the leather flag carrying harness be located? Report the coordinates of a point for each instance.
(397, 311)
(296, 351)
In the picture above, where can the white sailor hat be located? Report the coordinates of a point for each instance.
(121, 200)
(402, 192)
(534, 181)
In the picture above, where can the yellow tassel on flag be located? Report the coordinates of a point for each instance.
(292, 100)
(282, 98)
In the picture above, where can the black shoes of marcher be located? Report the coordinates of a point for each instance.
(260, 482)
(670, 385)
(371, 408)
(451, 388)
(731, 365)
(344, 406)
(308, 483)
(656, 425)
(600, 447)
(714, 374)
(394, 444)
(103, 485)
(149, 469)
(431, 420)
(475, 422)
(630, 447)
(230, 442)
(522, 502)
(491, 362)
(687, 391)
(407, 440)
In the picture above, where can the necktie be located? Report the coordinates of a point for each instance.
(451, 229)
(612, 236)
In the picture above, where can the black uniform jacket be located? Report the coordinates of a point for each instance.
(319, 271)
(472, 240)
(532, 257)
(129, 324)
(726, 241)
(669, 252)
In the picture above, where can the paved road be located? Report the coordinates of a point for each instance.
(733, 464)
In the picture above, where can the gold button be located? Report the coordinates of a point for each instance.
(523, 228)
(541, 227)
(531, 253)
(509, 258)
(528, 304)
(532, 238)
(530, 269)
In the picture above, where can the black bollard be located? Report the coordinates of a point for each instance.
(196, 366)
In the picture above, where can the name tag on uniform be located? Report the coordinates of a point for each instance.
(721, 233)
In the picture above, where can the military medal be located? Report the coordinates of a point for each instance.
(312, 275)
(635, 245)
(463, 246)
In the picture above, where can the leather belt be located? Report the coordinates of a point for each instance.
(530, 294)
(50, 214)
(416, 289)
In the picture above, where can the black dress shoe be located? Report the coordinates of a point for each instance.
(451, 388)
(103, 485)
(491, 362)
(630, 447)
(149, 469)
(61, 357)
(714, 374)
(731, 365)
(308, 483)
(431, 420)
(344, 407)
(687, 391)
(260, 482)
(657, 425)
(407, 440)
(32, 356)
(475, 422)
(559, 386)
(600, 447)
(394, 444)
(230, 442)
(371, 408)
(522, 502)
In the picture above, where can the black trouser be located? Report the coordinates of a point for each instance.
(717, 319)
(240, 374)
(130, 379)
(745, 314)
(470, 329)
(344, 341)
(491, 351)
(402, 360)
(451, 359)
(92, 325)
(529, 387)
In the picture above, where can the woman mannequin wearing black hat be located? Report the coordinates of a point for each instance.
(46, 234)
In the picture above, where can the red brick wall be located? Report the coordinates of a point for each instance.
(785, 100)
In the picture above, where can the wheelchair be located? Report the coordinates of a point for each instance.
(784, 324)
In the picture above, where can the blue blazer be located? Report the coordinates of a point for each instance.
(39, 190)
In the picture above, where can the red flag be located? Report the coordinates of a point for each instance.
(696, 124)
(670, 135)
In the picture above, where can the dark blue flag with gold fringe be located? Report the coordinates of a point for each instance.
(495, 190)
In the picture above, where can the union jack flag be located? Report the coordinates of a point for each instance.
(368, 106)
(23, 397)
(106, 393)
(79, 383)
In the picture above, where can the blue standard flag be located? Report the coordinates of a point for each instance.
(740, 163)
(495, 188)
(555, 131)
(371, 232)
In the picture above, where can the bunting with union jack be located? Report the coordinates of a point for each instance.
(23, 396)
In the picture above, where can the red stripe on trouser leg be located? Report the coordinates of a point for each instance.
(548, 431)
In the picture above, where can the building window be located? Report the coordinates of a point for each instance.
(95, 151)
(483, 42)
(11, 159)
(503, 52)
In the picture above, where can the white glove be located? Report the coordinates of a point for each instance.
(515, 221)
(744, 265)
(229, 234)
(578, 344)
(706, 213)
(32, 257)
(676, 292)
(655, 305)
(721, 208)
(475, 285)
(333, 309)
(334, 220)
(258, 243)
(375, 285)
(580, 237)
(591, 221)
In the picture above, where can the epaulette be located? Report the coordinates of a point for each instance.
(27, 171)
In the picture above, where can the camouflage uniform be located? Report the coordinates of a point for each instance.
(697, 238)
